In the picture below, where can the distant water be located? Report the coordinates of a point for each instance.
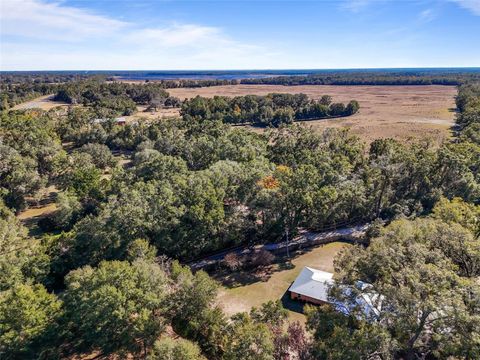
(208, 75)
(248, 74)
(257, 74)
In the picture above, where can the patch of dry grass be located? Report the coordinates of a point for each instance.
(143, 114)
(43, 102)
(40, 207)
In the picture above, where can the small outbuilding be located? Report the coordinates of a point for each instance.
(312, 286)
(121, 121)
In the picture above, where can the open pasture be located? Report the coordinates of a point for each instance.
(400, 112)
(45, 102)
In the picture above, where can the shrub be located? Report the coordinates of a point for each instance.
(232, 261)
(262, 258)
(179, 349)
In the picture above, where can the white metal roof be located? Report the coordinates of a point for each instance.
(313, 283)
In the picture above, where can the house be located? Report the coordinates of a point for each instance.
(312, 286)
(121, 121)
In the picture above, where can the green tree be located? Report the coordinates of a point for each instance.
(150, 164)
(19, 177)
(337, 109)
(141, 249)
(271, 313)
(82, 177)
(180, 349)
(459, 212)
(22, 259)
(325, 100)
(69, 210)
(340, 337)
(283, 116)
(28, 321)
(416, 286)
(101, 155)
(192, 306)
(249, 340)
(352, 107)
(118, 307)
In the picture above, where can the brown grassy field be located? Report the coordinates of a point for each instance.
(143, 114)
(400, 112)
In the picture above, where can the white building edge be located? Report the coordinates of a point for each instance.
(313, 285)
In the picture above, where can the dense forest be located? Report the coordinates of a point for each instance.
(271, 110)
(103, 276)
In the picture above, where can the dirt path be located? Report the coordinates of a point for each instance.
(43, 102)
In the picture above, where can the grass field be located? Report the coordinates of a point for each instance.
(43, 102)
(246, 289)
(400, 112)
(142, 114)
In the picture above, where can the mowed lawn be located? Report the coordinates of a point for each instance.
(247, 290)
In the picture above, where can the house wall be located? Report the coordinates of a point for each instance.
(304, 298)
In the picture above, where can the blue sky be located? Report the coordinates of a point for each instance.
(228, 34)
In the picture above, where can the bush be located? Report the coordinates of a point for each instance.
(69, 210)
(101, 155)
(262, 258)
(232, 261)
(179, 349)
(141, 249)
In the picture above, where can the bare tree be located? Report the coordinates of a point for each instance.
(232, 261)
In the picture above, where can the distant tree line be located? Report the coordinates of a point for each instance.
(363, 77)
(192, 83)
(270, 110)
(44, 77)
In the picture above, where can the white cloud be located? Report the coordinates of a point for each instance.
(471, 5)
(215, 56)
(176, 35)
(355, 5)
(36, 19)
(62, 37)
(427, 15)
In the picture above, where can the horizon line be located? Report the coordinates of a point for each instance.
(253, 69)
